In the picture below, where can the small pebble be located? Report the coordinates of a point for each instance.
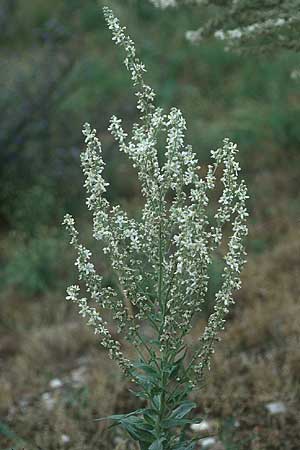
(276, 407)
(207, 442)
(48, 401)
(65, 439)
(202, 426)
(236, 424)
(55, 383)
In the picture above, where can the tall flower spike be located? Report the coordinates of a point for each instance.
(160, 262)
(144, 92)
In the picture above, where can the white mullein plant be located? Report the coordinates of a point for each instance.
(160, 261)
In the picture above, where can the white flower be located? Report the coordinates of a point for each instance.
(161, 261)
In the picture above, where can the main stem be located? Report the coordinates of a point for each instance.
(162, 303)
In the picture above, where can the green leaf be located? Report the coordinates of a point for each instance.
(116, 417)
(178, 364)
(119, 417)
(157, 402)
(181, 358)
(146, 368)
(137, 429)
(150, 416)
(155, 342)
(145, 380)
(139, 394)
(181, 396)
(183, 410)
(171, 423)
(151, 375)
(157, 445)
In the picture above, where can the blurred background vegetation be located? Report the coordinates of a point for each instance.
(60, 69)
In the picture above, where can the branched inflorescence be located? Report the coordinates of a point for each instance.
(161, 261)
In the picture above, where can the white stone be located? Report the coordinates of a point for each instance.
(207, 442)
(276, 407)
(48, 401)
(55, 383)
(65, 439)
(202, 426)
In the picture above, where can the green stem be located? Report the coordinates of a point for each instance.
(151, 353)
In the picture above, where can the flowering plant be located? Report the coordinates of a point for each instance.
(256, 25)
(160, 261)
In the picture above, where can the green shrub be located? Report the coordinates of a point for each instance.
(35, 265)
